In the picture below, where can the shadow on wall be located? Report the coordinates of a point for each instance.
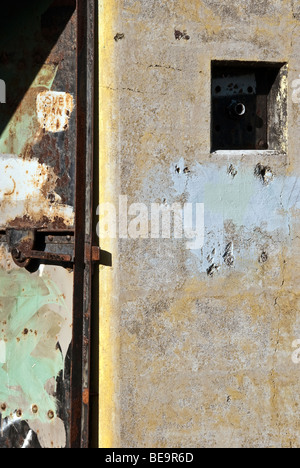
(29, 32)
(37, 56)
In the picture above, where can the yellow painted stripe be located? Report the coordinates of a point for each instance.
(108, 384)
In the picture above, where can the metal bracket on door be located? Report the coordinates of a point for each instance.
(26, 246)
(54, 247)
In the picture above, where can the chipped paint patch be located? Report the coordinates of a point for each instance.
(35, 334)
(2, 352)
(46, 76)
(54, 110)
(52, 435)
(30, 329)
(28, 188)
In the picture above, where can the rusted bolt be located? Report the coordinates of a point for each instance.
(19, 413)
(50, 238)
(3, 407)
(51, 414)
(35, 409)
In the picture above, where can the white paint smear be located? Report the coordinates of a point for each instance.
(28, 440)
(21, 179)
(2, 352)
(24, 189)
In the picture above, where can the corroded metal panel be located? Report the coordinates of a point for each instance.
(42, 255)
(38, 121)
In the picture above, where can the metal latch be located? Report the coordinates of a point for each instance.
(48, 247)
(23, 246)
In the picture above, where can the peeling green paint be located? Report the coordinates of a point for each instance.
(46, 76)
(29, 327)
(24, 122)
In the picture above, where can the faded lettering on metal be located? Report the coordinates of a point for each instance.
(54, 110)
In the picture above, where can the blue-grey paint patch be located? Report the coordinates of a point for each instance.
(244, 199)
(251, 213)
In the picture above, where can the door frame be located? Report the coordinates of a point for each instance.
(83, 265)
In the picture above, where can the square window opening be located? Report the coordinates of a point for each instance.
(249, 106)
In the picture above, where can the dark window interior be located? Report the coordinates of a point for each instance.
(244, 105)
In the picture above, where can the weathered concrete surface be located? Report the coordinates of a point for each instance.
(190, 359)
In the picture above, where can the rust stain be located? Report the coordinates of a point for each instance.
(29, 191)
(26, 222)
(86, 396)
(7, 194)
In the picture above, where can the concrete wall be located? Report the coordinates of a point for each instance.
(196, 351)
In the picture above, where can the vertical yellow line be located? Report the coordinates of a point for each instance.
(108, 360)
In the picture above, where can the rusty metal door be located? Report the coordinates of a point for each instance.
(46, 118)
